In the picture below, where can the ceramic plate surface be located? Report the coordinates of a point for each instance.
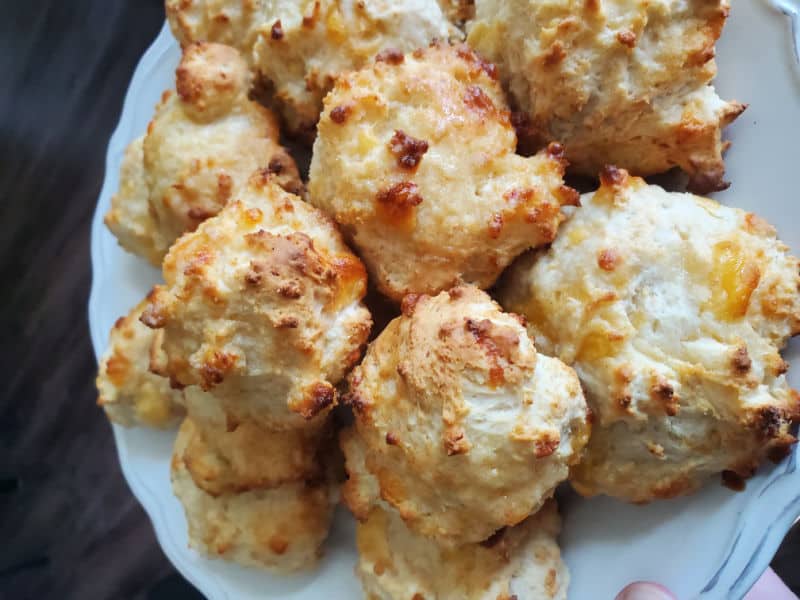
(714, 544)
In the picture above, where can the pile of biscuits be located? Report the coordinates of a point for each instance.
(433, 326)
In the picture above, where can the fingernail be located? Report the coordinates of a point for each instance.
(645, 591)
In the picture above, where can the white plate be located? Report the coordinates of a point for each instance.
(714, 544)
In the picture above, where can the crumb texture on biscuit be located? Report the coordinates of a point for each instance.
(673, 310)
(624, 82)
(130, 218)
(415, 159)
(230, 22)
(317, 41)
(230, 456)
(519, 562)
(262, 307)
(128, 391)
(277, 528)
(298, 47)
(465, 427)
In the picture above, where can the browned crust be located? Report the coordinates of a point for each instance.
(569, 196)
(664, 393)
(733, 481)
(497, 342)
(613, 176)
(276, 31)
(627, 38)
(554, 55)
(480, 103)
(547, 444)
(608, 259)
(358, 402)
(471, 57)
(215, 368)
(318, 398)
(740, 361)
(390, 56)
(397, 204)
(495, 225)
(407, 149)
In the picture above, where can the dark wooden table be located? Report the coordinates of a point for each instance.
(70, 527)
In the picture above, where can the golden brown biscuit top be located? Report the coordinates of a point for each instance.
(415, 158)
(673, 310)
(201, 147)
(265, 291)
(615, 81)
(467, 429)
(210, 79)
(388, 109)
(303, 47)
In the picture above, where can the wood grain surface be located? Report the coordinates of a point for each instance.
(70, 527)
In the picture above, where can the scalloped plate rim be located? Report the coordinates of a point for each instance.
(146, 497)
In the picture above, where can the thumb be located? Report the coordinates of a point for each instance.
(770, 587)
(642, 590)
